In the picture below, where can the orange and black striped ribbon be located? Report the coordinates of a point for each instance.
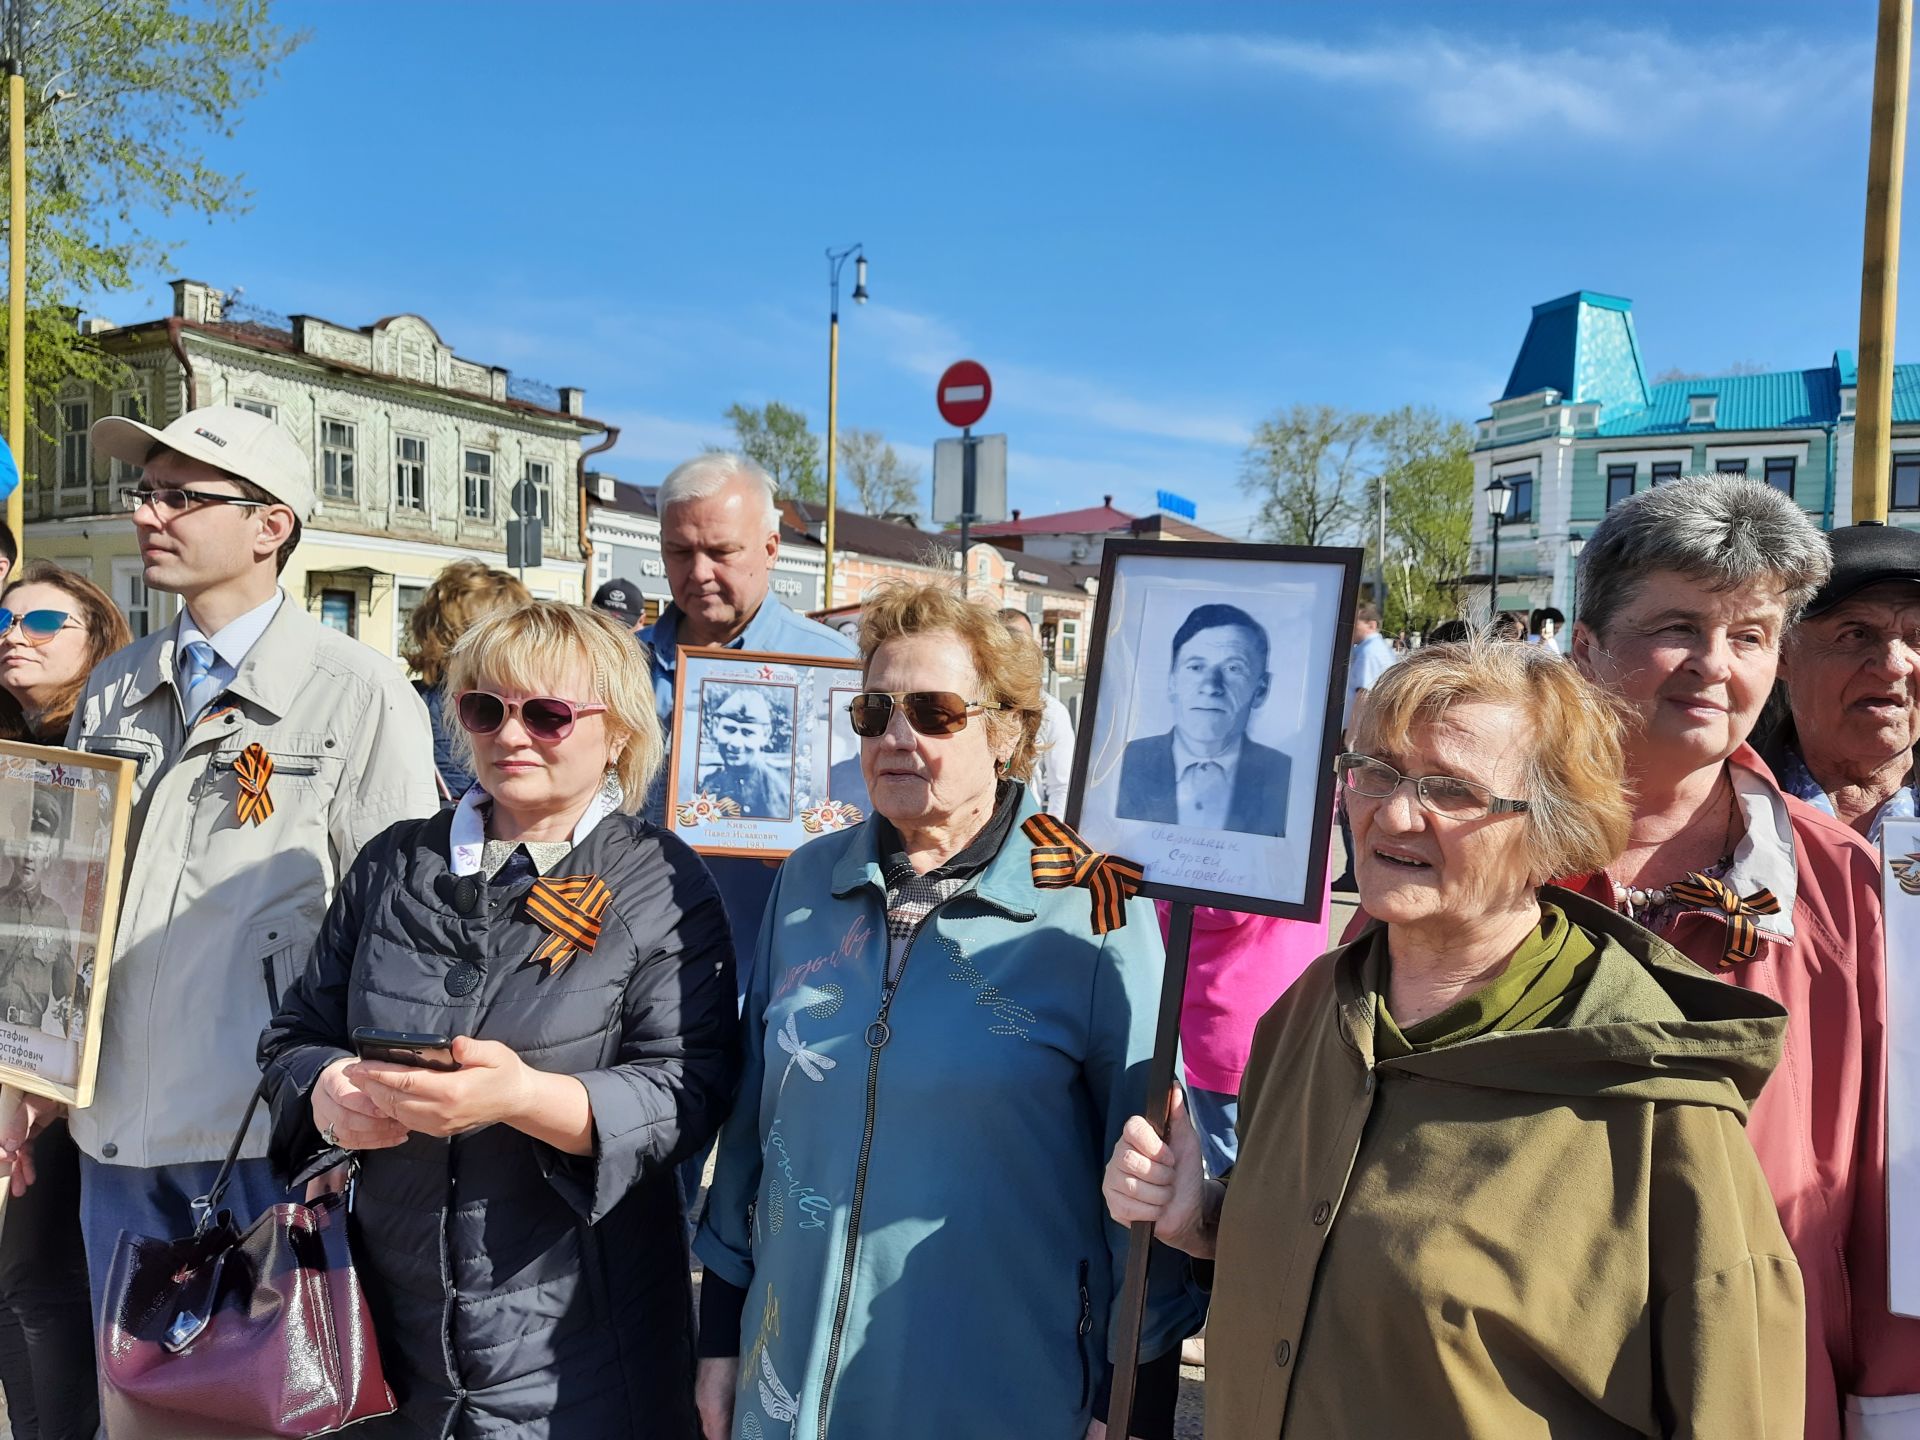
(569, 908)
(1061, 858)
(253, 770)
(1743, 936)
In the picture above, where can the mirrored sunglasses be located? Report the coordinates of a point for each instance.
(931, 712)
(37, 627)
(545, 716)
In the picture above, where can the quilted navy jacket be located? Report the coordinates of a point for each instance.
(516, 1290)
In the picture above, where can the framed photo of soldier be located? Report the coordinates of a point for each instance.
(1212, 718)
(1900, 887)
(763, 757)
(63, 828)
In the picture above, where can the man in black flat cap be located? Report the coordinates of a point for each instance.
(1843, 740)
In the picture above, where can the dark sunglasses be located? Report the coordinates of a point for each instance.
(931, 712)
(174, 500)
(37, 627)
(546, 718)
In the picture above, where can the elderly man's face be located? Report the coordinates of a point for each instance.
(1696, 663)
(741, 726)
(719, 555)
(1853, 675)
(1218, 677)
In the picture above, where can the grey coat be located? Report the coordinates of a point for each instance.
(518, 1291)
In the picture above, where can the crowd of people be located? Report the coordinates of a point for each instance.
(1579, 1130)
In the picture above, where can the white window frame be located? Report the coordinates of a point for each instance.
(350, 453)
(130, 402)
(76, 439)
(257, 406)
(423, 466)
(543, 483)
(468, 477)
(131, 594)
(401, 612)
(1701, 409)
(1066, 637)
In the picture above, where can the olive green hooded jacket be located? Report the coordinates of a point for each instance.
(1557, 1232)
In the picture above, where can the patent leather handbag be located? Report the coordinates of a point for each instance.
(234, 1333)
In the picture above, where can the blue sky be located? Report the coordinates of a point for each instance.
(1154, 224)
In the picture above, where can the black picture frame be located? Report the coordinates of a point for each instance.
(1334, 571)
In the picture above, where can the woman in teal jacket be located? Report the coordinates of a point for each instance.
(905, 1234)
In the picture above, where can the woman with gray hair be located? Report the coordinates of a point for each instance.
(1686, 592)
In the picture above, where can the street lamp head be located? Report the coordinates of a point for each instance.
(1576, 542)
(1499, 496)
(860, 280)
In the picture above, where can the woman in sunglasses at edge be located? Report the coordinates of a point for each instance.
(517, 1221)
(1493, 1177)
(938, 1055)
(55, 626)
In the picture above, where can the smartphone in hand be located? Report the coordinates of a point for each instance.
(404, 1047)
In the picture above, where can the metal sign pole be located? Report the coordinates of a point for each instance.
(968, 498)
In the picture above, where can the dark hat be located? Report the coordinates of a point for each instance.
(619, 597)
(1865, 555)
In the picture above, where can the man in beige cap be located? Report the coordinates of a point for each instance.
(269, 749)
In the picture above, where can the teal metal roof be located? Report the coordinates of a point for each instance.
(1906, 394)
(1783, 400)
(1583, 346)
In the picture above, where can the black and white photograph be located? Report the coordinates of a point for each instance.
(746, 746)
(763, 755)
(1211, 718)
(63, 816)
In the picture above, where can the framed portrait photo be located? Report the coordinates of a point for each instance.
(1212, 718)
(764, 756)
(1900, 888)
(63, 816)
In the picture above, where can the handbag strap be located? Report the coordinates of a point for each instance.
(206, 1206)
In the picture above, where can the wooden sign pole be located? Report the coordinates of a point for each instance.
(1159, 1100)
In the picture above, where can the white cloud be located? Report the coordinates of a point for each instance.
(1641, 86)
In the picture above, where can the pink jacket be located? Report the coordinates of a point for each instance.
(1819, 1127)
(1239, 966)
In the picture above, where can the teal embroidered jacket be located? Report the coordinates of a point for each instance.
(918, 1221)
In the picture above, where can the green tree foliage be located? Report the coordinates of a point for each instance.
(122, 98)
(776, 435)
(1305, 467)
(1317, 472)
(886, 484)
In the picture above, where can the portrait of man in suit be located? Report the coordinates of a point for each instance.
(1205, 772)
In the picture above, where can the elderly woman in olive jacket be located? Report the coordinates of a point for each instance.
(516, 1221)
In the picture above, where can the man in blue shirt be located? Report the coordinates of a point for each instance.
(720, 536)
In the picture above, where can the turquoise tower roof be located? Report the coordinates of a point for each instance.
(1583, 346)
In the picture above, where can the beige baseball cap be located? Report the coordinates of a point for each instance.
(226, 437)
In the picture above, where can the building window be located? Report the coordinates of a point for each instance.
(1665, 470)
(1069, 649)
(338, 444)
(132, 404)
(1730, 467)
(130, 593)
(407, 596)
(539, 474)
(409, 472)
(1906, 481)
(1619, 483)
(76, 416)
(476, 485)
(259, 407)
(1701, 409)
(1780, 473)
(337, 611)
(1520, 502)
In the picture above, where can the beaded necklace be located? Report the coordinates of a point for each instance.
(1644, 902)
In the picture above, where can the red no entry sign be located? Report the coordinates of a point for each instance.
(963, 393)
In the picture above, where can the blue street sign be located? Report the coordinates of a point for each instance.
(9, 472)
(1175, 504)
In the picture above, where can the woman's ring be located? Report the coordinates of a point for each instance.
(329, 1136)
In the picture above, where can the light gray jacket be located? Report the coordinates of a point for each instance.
(217, 917)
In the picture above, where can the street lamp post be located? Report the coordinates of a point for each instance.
(1499, 497)
(1576, 542)
(836, 259)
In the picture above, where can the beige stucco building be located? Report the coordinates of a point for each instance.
(416, 453)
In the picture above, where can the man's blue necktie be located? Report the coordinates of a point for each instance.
(198, 685)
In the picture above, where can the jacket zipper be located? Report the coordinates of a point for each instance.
(1085, 1325)
(878, 1034)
